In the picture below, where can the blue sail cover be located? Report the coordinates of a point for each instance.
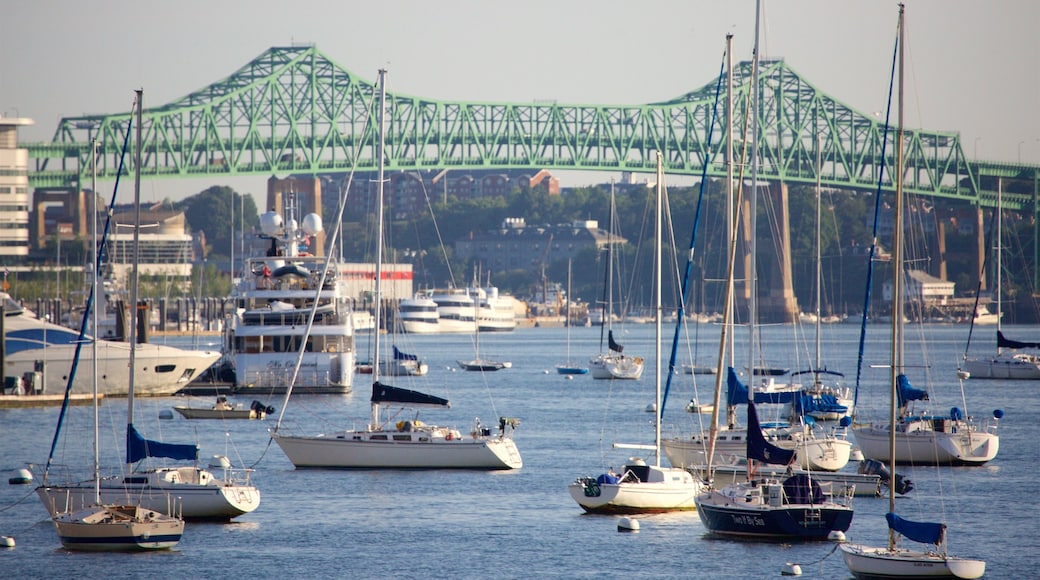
(822, 403)
(137, 448)
(924, 532)
(758, 448)
(613, 345)
(1007, 343)
(398, 355)
(395, 395)
(737, 393)
(906, 393)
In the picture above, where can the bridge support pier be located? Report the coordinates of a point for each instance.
(309, 189)
(776, 299)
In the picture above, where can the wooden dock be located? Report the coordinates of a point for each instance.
(23, 401)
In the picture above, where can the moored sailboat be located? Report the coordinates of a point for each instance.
(891, 561)
(102, 526)
(642, 488)
(405, 443)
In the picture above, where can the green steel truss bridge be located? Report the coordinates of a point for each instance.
(294, 110)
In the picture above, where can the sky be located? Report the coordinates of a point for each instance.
(973, 67)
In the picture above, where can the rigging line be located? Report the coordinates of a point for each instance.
(330, 244)
(874, 234)
(685, 287)
(436, 227)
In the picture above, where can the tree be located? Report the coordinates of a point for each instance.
(210, 211)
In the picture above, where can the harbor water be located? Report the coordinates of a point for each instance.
(523, 523)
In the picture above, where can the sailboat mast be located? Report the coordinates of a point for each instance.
(897, 289)
(94, 321)
(379, 240)
(819, 268)
(753, 271)
(657, 311)
(1000, 244)
(730, 224)
(134, 278)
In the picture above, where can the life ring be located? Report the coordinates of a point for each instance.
(449, 436)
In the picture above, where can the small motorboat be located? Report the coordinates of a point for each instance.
(222, 409)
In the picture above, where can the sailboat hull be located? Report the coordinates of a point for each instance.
(869, 563)
(667, 489)
(192, 493)
(413, 450)
(610, 366)
(1020, 366)
(918, 443)
(117, 529)
(823, 454)
(727, 515)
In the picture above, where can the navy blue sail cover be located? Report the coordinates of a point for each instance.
(613, 345)
(1008, 343)
(758, 448)
(924, 532)
(395, 395)
(398, 355)
(737, 393)
(137, 448)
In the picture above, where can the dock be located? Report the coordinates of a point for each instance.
(24, 401)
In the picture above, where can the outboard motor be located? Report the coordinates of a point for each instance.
(902, 484)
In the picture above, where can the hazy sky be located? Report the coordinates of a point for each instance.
(974, 66)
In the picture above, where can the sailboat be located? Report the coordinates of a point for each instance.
(104, 527)
(921, 438)
(201, 494)
(642, 488)
(612, 364)
(568, 368)
(478, 363)
(1009, 362)
(891, 561)
(406, 443)
(794, 507)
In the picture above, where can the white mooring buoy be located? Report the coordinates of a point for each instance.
(836, 536)
(628, 525)
(166, 414)
(22, 476)
(6, 542)
(791, 569)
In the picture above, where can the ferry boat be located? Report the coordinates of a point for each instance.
(418, 315)
(274, 302)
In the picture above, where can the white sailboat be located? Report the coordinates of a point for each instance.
(920, 437)
(642, 488)
(1014, 359)
(611, 363)
(105, 527)
(201, 494)
(408, 443)
(891, 561)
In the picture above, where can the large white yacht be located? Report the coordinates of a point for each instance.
(418, 315)
(274, 302)
(42, 352)
(495, 313)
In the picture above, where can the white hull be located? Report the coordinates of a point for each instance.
(439, 448)
(117, 528)
(320, 373)
(866, 562)
(668, 489)
(918, 444)
(160, 370)
(189, 492)
(419, 326)
(1004, 366)
(611, 366)
(823, 454)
